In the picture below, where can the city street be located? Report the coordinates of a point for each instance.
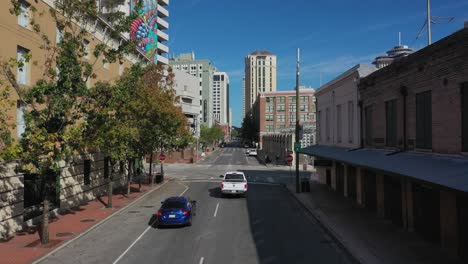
(269, 226)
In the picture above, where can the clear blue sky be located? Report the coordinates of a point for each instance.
(333, 35)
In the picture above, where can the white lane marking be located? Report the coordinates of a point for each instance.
(186, 188)
(142, 234)
(201, 260)
(134, 242)
(216, 210)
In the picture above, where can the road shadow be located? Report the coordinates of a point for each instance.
(283, 232)
(216, 193)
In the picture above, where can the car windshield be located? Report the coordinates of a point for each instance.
(173, 205)
(234, 178)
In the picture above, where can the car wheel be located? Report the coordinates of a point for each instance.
(190, 223)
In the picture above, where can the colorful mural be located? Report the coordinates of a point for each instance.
(144, 28)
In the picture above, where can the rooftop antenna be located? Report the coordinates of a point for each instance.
(429, 21)
(320, 79)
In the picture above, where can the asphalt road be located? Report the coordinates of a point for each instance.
(269, 226)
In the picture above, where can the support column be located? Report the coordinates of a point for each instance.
(407, 204)
(359, 190)
(449, 222)
(345, 180)
(333, 176)
(380, 195)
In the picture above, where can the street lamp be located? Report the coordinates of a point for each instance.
(298, 190)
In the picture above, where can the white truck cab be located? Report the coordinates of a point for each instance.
(234, 183)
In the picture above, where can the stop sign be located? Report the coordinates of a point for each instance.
(162, 157)
(289, 159)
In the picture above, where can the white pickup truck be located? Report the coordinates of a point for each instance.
(234, 183)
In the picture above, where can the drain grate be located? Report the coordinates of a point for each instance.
(87, 220)
(64, 234)
(133, 212)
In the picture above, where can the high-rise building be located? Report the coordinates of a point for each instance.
(260, 76)
(243, 96)
(204, 71)
(147, 29)
(187, 89)
(221, 98)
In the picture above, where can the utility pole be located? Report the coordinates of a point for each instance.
(429, 34)
(298, 190)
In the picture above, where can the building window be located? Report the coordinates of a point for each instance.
(304, 117)
(368, 125)
(327, 123)
(270, 128)
(86, 48)
(350, 121)
(58, 35)
(270, 108)
(269, 118)
(20, 125)
(464, 105)
(269, 99)
(282, 99)
(304, 99)
(319, 125)
(338, 123)
(292, 118)
(87, 172)
(25, 13)
(281, 118)
(391, 123)
(292, 108)
(23, 69)
(281, 126)
(292, 99)
(281, 108)
(424, 120)
(304, 108)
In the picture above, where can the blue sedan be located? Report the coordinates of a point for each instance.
(176, 211)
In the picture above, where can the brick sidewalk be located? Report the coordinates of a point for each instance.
(368, 238)
(26, 247)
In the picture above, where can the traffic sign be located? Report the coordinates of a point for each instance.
(162, 157)
(289, 159)
(297, 146)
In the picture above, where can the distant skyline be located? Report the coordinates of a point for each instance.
(333, 35)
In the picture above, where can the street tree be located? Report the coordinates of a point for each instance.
(54, 104)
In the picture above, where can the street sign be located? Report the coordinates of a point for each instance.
(162, 157)
(297, 146)
(289, 159)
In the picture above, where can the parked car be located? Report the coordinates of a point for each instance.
(247, 151)
(234, 183)
(176, 211)
(253, 152)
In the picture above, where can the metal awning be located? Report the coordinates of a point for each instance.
(446, 170)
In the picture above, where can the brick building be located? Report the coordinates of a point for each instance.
(411, 166)
(275, 115)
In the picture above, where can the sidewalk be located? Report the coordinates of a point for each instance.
(26, 247)
(368, 238)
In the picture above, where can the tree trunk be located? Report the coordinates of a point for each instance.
(110, 186)
(151, 169)
(44, 234)
(130, 177)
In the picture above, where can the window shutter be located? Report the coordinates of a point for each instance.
(464, 109)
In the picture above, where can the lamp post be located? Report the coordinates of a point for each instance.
(298, 189)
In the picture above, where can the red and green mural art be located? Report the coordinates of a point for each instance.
(144, 28)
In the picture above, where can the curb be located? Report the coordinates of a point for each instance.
(328, 230)
(39, 260)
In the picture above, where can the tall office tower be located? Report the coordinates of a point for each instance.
(260, 76)
(221, 98)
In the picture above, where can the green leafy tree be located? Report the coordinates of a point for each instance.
(210, 136)
(249, 129)
(55, 103)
